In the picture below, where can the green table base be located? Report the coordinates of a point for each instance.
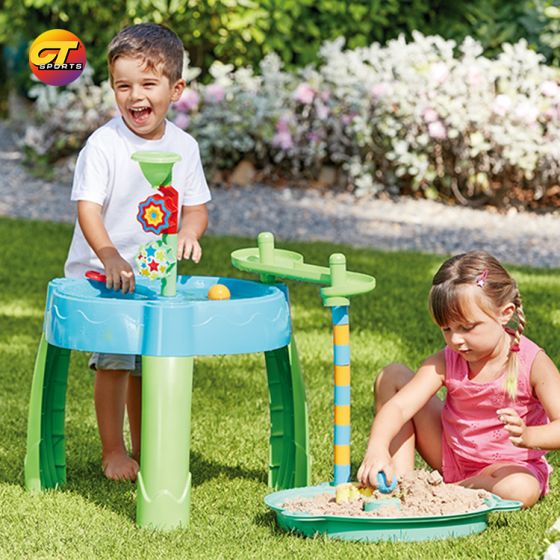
(164, 480)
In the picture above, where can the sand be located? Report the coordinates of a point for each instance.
(420, 493)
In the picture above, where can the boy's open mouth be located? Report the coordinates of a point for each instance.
(140, 114)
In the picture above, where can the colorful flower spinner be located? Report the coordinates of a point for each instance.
(153, 214)
(155, 260)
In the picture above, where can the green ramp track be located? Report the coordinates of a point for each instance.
(290, 465)
(45, 461)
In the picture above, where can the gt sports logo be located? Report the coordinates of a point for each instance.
(57, 57)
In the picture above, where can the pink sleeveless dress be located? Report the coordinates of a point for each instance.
(473, 437)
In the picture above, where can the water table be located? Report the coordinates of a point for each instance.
(168, 328)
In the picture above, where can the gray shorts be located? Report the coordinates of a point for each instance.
(127, 362)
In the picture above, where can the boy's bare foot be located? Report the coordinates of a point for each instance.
(119, 466)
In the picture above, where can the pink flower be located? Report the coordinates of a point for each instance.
(283, 140)
(430, 115)
(501, 105)
(283, 123)
(553, 112)
(283, 137)
(304, 93)
(322, 111)
(215, 93)
(437, 131)
(380, 90)
(188, 101)
(347, 119)
(181, 120)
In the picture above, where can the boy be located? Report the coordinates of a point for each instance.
(145, 66)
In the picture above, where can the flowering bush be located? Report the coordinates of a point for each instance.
(427, 116)
(230, 118)
(64, 118)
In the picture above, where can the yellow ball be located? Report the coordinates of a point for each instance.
(219, 291)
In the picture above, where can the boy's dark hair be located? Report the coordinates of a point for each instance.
(158, 46)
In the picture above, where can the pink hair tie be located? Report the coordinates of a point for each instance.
(514, 347)
(481, 278)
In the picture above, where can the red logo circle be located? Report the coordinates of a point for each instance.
(57, 57)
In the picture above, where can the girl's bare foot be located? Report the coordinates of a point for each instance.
(119, 466)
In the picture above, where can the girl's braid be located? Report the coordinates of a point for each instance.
(520, 318)
(513, 360)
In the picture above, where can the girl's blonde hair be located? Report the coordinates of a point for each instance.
(497, 288)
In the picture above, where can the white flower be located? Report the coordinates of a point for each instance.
(527, 112)
(439, 72)
(476, 139)
(552, 552)
(437, 130)
(501, 105)
(430, 115)
(380, 90)
(475, 77)
(550, 88)
(322, 111)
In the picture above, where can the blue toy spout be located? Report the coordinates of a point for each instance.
(382, 484)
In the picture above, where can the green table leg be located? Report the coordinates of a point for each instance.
(164, 480)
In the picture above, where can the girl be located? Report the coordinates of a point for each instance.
(502, 408)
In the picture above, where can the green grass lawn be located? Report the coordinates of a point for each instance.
(94, 518)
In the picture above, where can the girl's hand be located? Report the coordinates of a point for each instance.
(119, 274)
(515, 426)
(373, 463)
(188, 247)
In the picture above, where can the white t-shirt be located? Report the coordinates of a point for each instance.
(106, 174)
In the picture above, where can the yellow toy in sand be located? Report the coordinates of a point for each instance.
(351, 491)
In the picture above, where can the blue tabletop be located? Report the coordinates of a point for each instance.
(82, 314)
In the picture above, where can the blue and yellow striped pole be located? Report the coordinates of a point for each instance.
(341, 354)
(341, 357)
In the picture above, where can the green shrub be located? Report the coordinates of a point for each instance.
(242, 32)
(542, 24)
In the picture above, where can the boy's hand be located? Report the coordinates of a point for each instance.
(118, 272)
(120, 275)
(515, 426)
(194, 220)
(188, 247)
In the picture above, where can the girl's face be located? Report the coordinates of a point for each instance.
(480, 334)
(143, 96)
